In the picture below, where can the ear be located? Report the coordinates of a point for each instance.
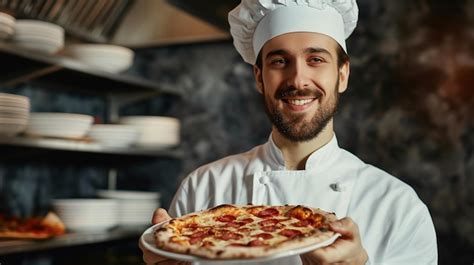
(257, 72)
(344, 72)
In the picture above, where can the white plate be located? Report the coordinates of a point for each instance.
(148, 242)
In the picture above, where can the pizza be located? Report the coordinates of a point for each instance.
(244, 232)
(32, 228)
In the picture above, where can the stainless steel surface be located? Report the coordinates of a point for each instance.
(70, 239)
(93, 20)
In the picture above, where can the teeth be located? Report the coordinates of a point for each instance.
(299, 102)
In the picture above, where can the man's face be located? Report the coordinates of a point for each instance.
(300, 83)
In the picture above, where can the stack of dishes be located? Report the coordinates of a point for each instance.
(14, 111)
(109, 58)
(135, 207)
(38, 36)
(155, 131)
(62, 125)
(87, 214)
(7, 26)
(113, 135)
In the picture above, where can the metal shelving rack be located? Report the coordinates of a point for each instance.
(56, 72)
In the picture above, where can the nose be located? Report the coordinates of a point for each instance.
(298, 76)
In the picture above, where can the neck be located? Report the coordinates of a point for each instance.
(295, 154)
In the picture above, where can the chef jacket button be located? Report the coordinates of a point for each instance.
(264, 180)
(338, 187)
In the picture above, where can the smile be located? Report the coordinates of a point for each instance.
(299, 102)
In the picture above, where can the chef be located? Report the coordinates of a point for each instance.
(301, 67)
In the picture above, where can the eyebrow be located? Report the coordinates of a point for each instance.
(306, 51)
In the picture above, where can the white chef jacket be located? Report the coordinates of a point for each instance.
(395, 226)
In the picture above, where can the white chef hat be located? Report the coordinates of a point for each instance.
(254, 22)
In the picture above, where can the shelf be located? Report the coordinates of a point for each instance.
(18, 66)
(21, 147)
(13, 246)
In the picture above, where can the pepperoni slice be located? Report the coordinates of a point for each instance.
(316, 220)
(302, 223)
(246, 220)
(300, 212)
(226, 218)
(256, 243)
(290, 233)
(263, 236)
(194, 240)
(200, 234)
(244, 229)
(268, 222)
(235, 224)
(238, 245)
(227, 235)
(267, 213)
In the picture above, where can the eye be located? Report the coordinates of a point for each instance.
(315, 60)
(278, 62)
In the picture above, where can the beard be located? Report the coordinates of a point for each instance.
(294, 127)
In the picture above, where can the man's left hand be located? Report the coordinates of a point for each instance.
(347, 249)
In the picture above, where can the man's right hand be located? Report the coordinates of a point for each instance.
(160, 215)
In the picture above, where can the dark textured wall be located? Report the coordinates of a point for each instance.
(408, 110)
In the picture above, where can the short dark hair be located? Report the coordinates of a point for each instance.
(342, 58)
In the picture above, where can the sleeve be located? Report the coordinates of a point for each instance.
(416, 242)
(179, 205)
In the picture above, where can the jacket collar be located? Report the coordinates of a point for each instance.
(318, 160)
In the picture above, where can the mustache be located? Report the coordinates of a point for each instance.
(291, 91)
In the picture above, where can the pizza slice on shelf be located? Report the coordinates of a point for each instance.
(31, 228)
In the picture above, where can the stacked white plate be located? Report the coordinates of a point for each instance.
(14, 111)
(38, 36)
(155, 131)
(62, 125)
(109, 58)
(7, 26)
(87, 214)
(135, 207)
(113, 135)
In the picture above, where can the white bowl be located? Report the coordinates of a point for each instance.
(155, 131)
(135, 207)
(113, 135)
(87, 214)
(7, 19)
(99, 50)
(110, 58)
(148, 121)
(22, 100)
(38, 26)
(63, 125)
(40, 47)
(60, 116)
(38, 39)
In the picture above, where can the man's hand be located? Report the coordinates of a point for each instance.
(160, 215)
(347, 249)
